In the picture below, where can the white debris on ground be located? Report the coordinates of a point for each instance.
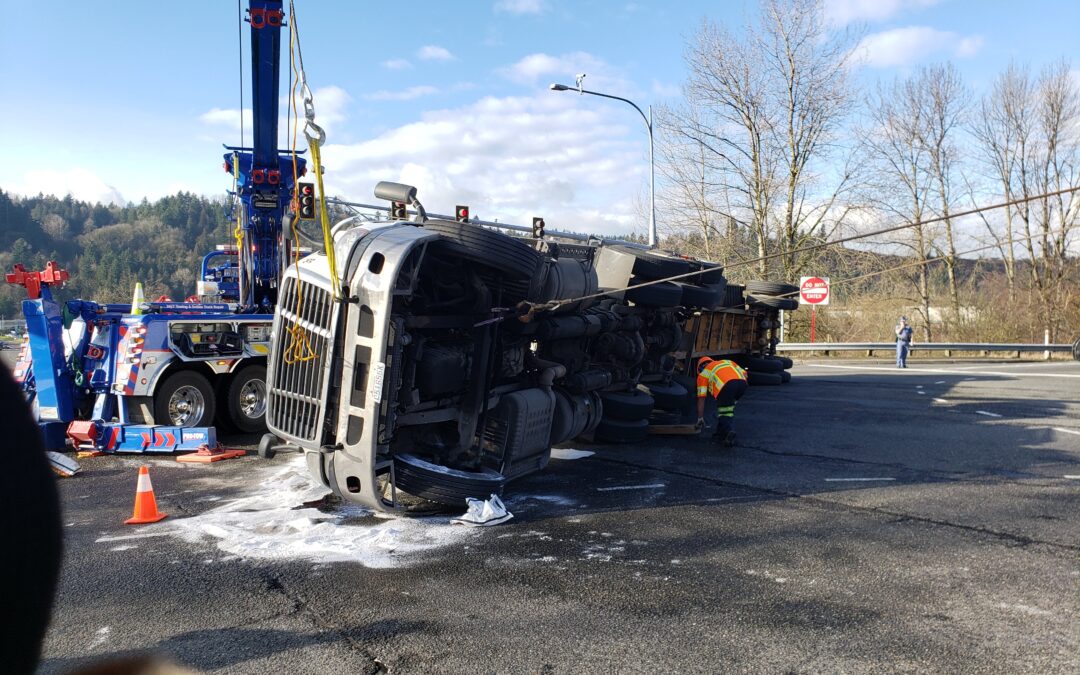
(271, 522)
(570, 453)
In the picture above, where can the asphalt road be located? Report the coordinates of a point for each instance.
(870, 519)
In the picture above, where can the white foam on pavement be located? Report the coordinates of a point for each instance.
(270, 522)
(570, 453)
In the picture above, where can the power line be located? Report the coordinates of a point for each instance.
(817, 247)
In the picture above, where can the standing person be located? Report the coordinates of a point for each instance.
(903, 342)
(725, 381)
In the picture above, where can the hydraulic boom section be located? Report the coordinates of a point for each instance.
(264, 175)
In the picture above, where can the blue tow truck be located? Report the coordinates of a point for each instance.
(156, 376)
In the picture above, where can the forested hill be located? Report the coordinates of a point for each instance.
(108, 248)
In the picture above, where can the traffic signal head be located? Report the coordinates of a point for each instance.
(538, 228)
(306, 200)
(461, 213)
(397, 211)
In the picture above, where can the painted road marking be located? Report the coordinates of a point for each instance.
(922, 393)
(651, 486)
(854, 480)
(126, 537)
(1066, 431)
(940, 400)
(988, 414)
(1071, 477)
(942, 371)
(940, 382)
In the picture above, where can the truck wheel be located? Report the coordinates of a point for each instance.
(245, 399)
(662, 294)
(442, 484)
(626, 405)
(667, 396)
(184, 399)
(621, 431)
(774, 288)
(757, 378)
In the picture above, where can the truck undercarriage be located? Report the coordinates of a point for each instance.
(431, 375)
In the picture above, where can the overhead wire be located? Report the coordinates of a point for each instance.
(554, 304)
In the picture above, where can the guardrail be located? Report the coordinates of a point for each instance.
(947, 347)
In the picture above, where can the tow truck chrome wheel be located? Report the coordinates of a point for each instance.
(246, 399)
(186, 403)
(253, 398)
(184, 399)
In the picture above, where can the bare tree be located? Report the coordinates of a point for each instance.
(1003, 131)
(1028, 130)
(761, 114)
(900, 178)
(944, 101)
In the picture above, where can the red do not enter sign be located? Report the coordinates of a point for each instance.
(814, 290)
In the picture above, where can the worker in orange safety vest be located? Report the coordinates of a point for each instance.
(725, 381)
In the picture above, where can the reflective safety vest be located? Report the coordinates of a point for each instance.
(714, 376)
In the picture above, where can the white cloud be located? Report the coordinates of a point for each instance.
(665, 90)
(396, 64)
(843, 12)
(521, 6)
(536, 68)
(911, 44)
(577, 164)
(80, 183)
(969, 46)
(434, 53)
(331, 105)
(403, 95)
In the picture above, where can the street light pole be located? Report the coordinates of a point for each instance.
(652, 163)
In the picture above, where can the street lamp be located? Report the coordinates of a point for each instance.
(652, 165)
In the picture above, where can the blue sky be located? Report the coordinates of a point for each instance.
(124, 99)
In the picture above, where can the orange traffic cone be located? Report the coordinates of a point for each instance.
(145, 504)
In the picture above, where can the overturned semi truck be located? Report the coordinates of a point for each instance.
(447, 358)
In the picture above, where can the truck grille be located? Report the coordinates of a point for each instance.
(298, 387)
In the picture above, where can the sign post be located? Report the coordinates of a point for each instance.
(814, 291)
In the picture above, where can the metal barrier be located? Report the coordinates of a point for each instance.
(947, 347)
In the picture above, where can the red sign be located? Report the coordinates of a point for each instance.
(814, 290)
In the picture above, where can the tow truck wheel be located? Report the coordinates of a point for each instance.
(184, 399)
(245, 399)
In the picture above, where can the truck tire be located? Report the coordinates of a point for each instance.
(756, 364)
(662, 294)
(654, 264)
(442, 484)
(626, 405)
(771, 288)
(789, 304)
(245, 399)
(185, 399)
(713, 274)
(785, 376)
(757, 378)
(667, 396)
(733, 296)
(705, 297)
(622, 431)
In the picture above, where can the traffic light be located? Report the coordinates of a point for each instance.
(461, 213)
(397, 211)
(538, 228)
(306, 198)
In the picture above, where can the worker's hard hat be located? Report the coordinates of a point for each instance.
(704, 361)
